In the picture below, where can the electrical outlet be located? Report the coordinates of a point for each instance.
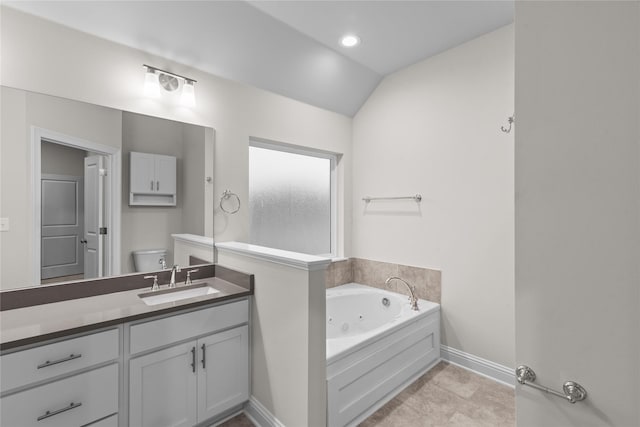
(4, 224)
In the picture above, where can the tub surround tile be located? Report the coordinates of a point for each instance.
(374, 273)
(428, 282)
(343, 272)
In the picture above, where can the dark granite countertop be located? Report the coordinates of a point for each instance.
(36, 323)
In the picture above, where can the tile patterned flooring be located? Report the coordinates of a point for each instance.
(446, 396)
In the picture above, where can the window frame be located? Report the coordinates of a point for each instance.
(311, 152)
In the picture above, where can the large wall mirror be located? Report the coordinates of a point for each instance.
(77, 204)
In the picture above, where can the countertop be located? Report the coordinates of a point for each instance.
(37, 323)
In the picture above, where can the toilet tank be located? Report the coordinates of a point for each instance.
(149, 259)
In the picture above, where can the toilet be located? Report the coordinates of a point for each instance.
(149, 260)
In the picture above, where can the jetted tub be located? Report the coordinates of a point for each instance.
(376, 346)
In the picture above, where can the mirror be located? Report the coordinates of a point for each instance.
(76, 203)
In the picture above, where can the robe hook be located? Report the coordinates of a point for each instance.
(507, 130)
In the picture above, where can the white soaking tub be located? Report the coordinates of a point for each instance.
(376, 346)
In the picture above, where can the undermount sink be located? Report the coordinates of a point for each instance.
(177, 294)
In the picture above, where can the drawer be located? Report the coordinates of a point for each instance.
(157, 333)
(63, 357)
(111, 421)
(73, 401)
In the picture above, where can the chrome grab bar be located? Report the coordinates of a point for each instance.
(417, 198)
(572, 391)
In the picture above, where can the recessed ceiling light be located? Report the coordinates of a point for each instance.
(350, 40)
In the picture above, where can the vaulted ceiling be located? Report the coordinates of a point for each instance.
(287, 47)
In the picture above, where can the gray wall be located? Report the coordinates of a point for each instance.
(60, 160)
(150, 227)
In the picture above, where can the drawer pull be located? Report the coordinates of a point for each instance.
(204, 357)
(59, 411)
(55, 362)
(193, 359)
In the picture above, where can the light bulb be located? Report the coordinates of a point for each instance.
(151, 84)
(350, 40)
(188, 97)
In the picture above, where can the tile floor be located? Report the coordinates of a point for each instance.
(446, 396)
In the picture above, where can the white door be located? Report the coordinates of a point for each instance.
(62, 226)
(93, 216)
(162, 388)
(577, 168)
(165, 172)
(223, 378)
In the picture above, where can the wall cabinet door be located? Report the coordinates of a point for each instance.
(223, 374)
(165, 172)
(143, 173)
(162, 388)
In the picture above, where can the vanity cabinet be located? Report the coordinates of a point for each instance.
(189, 382)
(152, 180)
(55, 384)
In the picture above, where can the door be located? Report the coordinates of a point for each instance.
(142, 168)
(162, 388)
(165, 171)
(93, 216)
(62, 226)
(223, 378)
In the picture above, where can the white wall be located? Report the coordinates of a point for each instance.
(434, 129)
(151, 227)
(45, 57)
(289, 356)
(578, 209)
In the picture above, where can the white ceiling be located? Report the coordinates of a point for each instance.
(288, 47)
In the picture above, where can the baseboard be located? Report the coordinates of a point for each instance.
(259, 415)
(484, 367)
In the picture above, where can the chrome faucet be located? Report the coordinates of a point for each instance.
(412, 298)
(174, 269)
(163, 263)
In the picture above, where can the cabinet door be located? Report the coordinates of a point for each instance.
(165, 174)
(142, 173)
(162, 388)
(223, 378)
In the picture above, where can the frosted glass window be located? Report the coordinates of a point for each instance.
(290, 201)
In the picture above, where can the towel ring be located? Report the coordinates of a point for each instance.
(226, 195)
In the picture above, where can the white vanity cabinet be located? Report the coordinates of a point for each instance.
(55, 384)
(185, 383)
(152, 180)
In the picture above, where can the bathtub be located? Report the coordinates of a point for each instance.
(376, 346)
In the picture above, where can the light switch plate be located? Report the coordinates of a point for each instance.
(4, 224)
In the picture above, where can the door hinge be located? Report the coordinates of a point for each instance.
(103, 230)
(102, 172)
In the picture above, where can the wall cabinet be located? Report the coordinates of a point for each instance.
(152, 180)
(194, 381)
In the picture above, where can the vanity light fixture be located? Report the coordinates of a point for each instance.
(350, 40)
(188, 97)
(151, 84)
(156, 78)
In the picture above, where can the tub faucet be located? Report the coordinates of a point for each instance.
(412, 298)
(174, 269)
